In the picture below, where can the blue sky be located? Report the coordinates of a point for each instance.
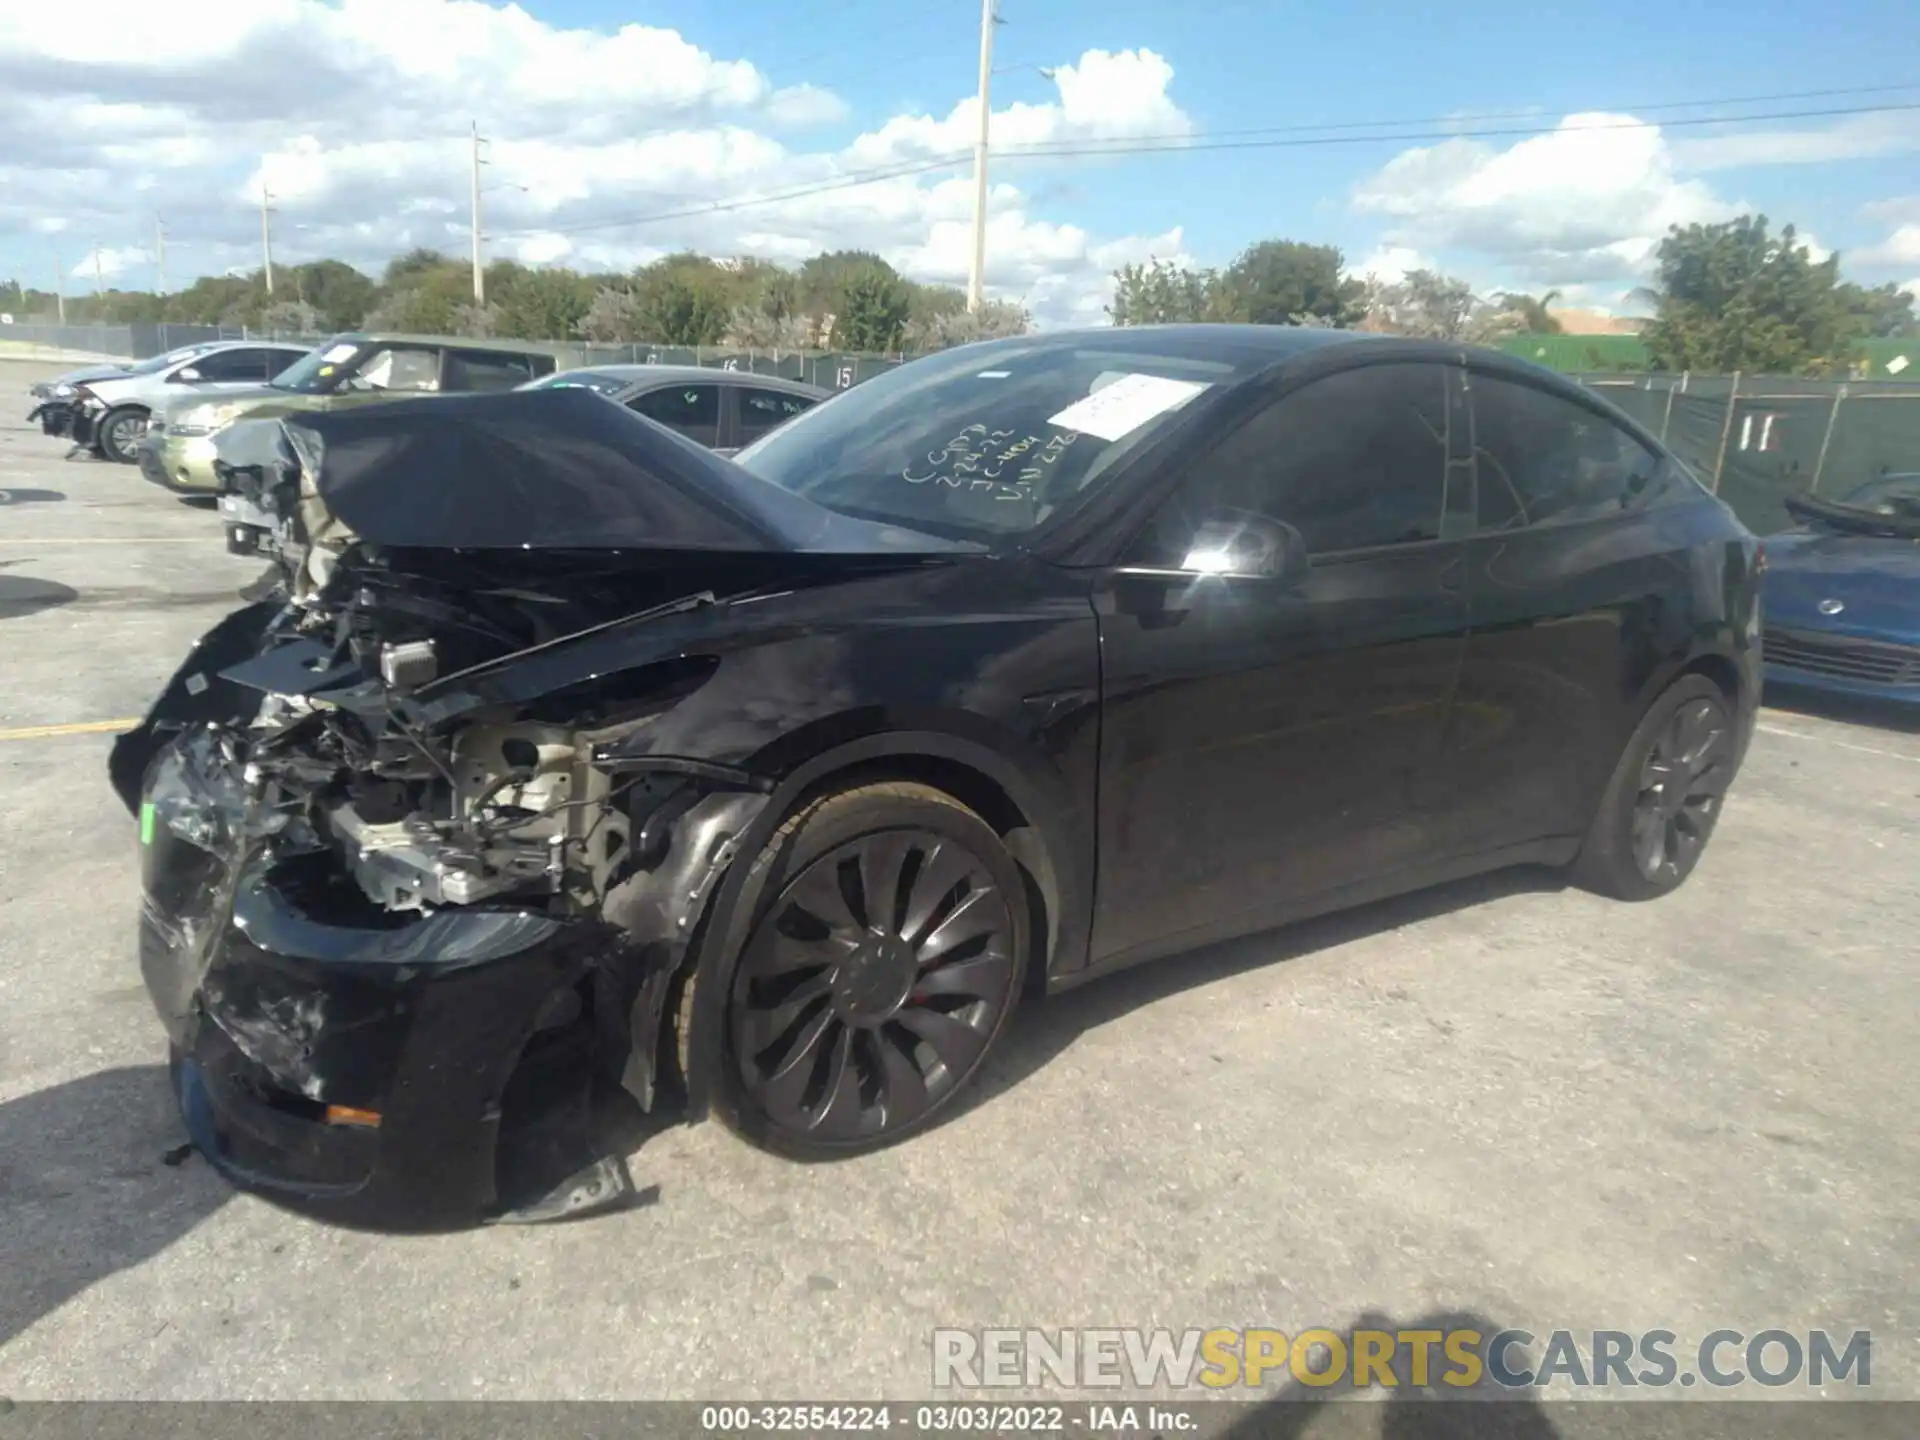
(352, 112)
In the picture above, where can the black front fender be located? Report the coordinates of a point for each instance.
(196, 695)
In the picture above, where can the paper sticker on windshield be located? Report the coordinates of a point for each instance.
(1117, 410)
(336, 353)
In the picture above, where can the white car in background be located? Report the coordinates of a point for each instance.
(110, 413)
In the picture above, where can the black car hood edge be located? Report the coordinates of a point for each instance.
(531, 470)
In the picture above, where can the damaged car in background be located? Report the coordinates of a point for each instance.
(572, 762)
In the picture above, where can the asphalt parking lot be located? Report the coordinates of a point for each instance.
(1502, 1100)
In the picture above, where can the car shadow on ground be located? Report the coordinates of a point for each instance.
(1479, 1412)
(91, 1183)
(1848, 709)
(1043, 1029)
(13, 495)
(22, 595)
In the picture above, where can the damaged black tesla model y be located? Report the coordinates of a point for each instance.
(569, 757)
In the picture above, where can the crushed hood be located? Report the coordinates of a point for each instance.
(527, 470)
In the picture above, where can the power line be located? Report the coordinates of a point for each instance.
(1206, 140)
(1199, 140)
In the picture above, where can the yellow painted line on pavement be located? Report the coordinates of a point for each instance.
(81, 727)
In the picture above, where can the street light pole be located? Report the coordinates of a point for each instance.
(976, 272)
(479, 274)
(266, 235)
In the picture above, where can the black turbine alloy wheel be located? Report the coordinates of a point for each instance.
(872, 986)
(1682, 782)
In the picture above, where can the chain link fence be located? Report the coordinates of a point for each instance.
(1756, 439)
(1753, 440)
(830, 370)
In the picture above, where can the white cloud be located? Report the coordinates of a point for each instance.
(1390, 263)
(1897, 208)
(1902, 247)
(1585, 204)
(1912, 287)
(107, 262)
(1103, 96)
(1857, 137)
(353, 113)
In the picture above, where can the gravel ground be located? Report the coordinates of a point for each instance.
(1502, 1100)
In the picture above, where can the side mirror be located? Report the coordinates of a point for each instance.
(1243, 545)
(188, 375)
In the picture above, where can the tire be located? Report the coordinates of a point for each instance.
(115, 438)
(843, 1031)
(1665, 796)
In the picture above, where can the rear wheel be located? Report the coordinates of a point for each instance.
(1664, 799)
(120, 430)
(887, 950)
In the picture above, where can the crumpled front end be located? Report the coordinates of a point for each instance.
(403, 949)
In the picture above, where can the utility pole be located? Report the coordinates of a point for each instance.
(976, 273)
(60, 290)
(479, 275)
(266, 234)
(160, 255)
(96, 270)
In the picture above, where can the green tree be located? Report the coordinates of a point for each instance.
(1885, 312)
(1274, 281)
(339, 295)
(1534, 315)
(995, 320)
(872, 309)
(612, 318)
(683, 299)
(1161, 293)
(1734, 297)
(823, 278)
(546, 304)
(1425, 303)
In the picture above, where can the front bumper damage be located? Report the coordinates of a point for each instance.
(363, 1031)
(55, 417)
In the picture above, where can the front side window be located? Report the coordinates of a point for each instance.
(1541, 459)
(1355, 461)
(693, 410)
(228, 366)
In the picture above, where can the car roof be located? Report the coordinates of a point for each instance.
(456, 342)
(682, 374)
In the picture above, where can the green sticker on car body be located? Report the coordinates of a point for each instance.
(146, 822)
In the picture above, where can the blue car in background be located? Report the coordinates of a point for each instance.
(1842, 596)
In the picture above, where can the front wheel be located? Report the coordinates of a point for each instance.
(1664, 799)
(888, 948)
(120, 431)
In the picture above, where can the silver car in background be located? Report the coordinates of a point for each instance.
(110, 413)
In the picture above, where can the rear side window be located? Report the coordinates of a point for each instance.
(396, 368)
(1544, 460)
(762, 410)
(469, 371)
(693, 410)
(1354, 461)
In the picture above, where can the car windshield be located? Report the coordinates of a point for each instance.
(319, 370)
(592, 380)
(984, 442)
(1887, 495)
